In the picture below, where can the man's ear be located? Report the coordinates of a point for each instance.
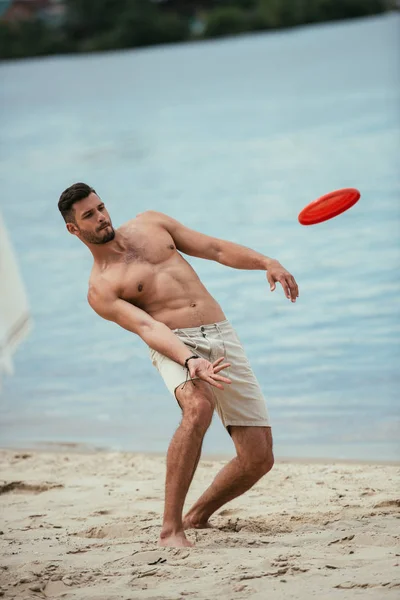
(72, 228)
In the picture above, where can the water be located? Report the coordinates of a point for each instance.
(233, 138)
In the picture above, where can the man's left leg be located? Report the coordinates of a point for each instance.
(254, 459)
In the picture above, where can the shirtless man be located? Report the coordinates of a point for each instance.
(141, 281)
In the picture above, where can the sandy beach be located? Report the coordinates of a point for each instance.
(84, 526)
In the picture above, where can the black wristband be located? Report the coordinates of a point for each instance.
(187, 360)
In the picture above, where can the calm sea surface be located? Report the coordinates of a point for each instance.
(232, 138)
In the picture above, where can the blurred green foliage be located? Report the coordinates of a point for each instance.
(95, 25)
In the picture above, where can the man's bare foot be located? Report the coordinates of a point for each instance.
(174, 540)
(191, 523)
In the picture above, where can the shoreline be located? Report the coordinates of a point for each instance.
(81, 448)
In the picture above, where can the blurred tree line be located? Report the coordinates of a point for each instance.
(96, 25)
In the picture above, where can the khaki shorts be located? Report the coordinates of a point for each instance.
(239, 403)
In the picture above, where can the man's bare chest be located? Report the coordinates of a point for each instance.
(136, 273)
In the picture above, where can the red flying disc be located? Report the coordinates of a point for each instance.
(329, 206)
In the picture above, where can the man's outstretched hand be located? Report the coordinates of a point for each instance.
(276, 273)
(202, 369)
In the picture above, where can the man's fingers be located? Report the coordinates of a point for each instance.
(213, 383)
(214, 379)
(293, 288)
(221, 367)
(297, 287)
(271, 281)
(285, 285)
(289, 287)
(287, 281)
(220, 378)
(216, 362)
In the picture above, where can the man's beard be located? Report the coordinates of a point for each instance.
(103, 236)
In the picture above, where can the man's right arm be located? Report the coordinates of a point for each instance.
(154, 333)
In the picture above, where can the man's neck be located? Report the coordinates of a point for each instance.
(105, 253)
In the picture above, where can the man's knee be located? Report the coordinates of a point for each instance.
(254, 449)
(198, 406)
(268, 462)
(258, 458)
(260, 463)
(198, 415)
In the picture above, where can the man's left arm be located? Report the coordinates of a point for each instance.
(230, 254)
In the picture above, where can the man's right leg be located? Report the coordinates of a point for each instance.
(197, 403)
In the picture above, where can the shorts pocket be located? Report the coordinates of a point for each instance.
(190, 344)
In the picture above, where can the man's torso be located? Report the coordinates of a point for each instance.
(149, 272)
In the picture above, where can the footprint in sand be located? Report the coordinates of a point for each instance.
(55, 588)
(149, 557)
(23, 486)
(227, 512)
(351, 585)
(388, 504)
(347, 538)
(97, 513)
(269, 526)
(113, 531)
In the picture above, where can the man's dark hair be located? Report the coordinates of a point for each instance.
(73, 194)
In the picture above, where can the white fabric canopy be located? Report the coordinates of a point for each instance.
(15, 320)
